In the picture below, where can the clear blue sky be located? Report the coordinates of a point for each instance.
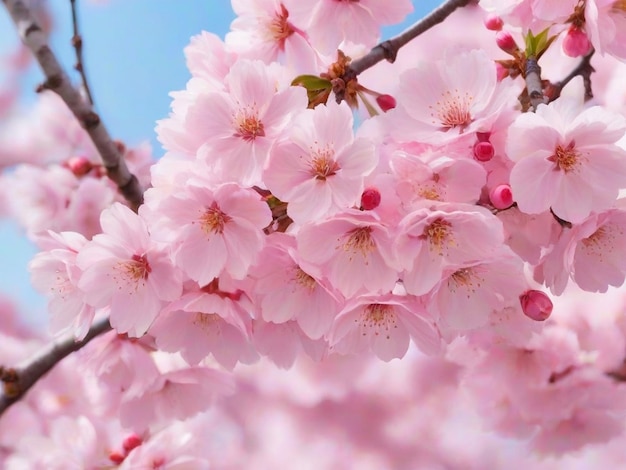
(133, 57)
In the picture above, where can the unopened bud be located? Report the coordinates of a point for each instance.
(576, 43)
(80, 166)
(536, 305)
(493, 22)
(505, 41)
(130, 442)
(116, 458)
(501, 196)
(386, 102)
(483, 151)
(370, 199)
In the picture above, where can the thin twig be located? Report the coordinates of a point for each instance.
(77, 42)
(533, 82)
(389, 49)
(584, 69)
(17, 381)
(58, 81)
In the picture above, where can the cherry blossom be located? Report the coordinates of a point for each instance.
(566, 160)
(320, 168)
(124, 269)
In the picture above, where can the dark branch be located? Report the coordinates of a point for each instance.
(58, 81)
(77, 42)
(389, 49)
(584, 69)
(17, 381)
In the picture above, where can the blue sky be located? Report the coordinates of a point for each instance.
(134, 57)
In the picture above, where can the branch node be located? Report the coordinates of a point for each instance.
(90, 120)
(390, 52)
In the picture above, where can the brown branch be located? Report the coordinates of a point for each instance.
(533, 82)
(389, 49)
(584, 69)
(77, 42)
(17, 381)
(58, 81)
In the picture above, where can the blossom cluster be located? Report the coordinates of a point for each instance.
(281, 223)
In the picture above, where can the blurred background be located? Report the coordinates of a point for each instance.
(133, 52)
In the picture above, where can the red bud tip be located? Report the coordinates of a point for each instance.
(483, 151)
(536, 305)
(130, 442)
(80, 166)
(386, 102)
(501, 196)
(370, 199)
(576, 43)
(505, 41)
(116, 458)
(493, 22)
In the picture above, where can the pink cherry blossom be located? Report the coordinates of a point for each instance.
(605, 22)
(55, 273)
(239, 126)
(175, 395)
(352, 250)
(202, 323)
(320, 168)
(287, 292)
(264, 30)
(223, 225)
(329, 22)
(566, 160)
(124, 269)
(442, 237)
(384, 324)
(439, 103)
(467, 296)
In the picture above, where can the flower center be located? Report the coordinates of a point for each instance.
(452, 109)
(565, 158)
(280, 28)
(135, 270)
(378, 317)
(360, 241)
(304, 279)
(323, 165)
(466, 278)
(248, 125)
(429, 192)
(438, 234)
(206, 321)
(213, 220)
(619, 6)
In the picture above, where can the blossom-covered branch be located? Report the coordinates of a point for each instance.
(389, 49)
(57, 80)
(17, 381)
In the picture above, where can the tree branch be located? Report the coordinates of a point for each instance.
(77, 42)
(533, 82)
(17, 381)
(58, 81)
(389, 49)
(584, 69)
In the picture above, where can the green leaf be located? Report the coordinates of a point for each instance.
(312, 82)
(537, 45)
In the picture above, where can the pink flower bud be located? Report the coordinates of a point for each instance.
(493, 22)
(505, 41)
(386, 102)
(80, 166)
(370, 199)
(501, 72)
(501, 196)
(483, 136)
(483, 151)
(116, 458)
(130, 442)
(576, 42)
(536, 305)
